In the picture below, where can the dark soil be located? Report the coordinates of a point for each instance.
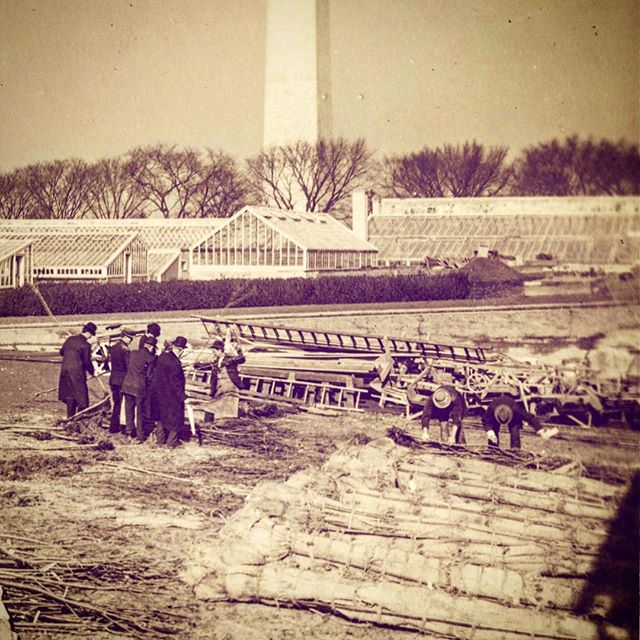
(491, 270)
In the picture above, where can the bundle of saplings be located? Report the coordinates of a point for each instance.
(431, 540)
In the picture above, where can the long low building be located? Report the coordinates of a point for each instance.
(164, 239)
(255, 242)
(108, 255)
(583, 231)
(601, 232)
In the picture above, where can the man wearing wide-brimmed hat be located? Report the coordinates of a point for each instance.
(76, 364)
(447, 406)
(168, 393)
(118, 363)
(506, 411)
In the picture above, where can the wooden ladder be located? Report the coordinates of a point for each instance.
(317, 394)
(313, 339)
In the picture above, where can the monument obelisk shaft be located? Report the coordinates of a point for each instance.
(297, 104)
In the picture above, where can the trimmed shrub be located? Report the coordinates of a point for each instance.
(73, 298)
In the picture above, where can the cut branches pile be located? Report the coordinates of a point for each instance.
(52, 587)
(433, 540)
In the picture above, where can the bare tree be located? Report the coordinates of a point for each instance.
(222, 189)
(115, 193)
(271, 181)
(59, 189)
(457, 171)
(16, 199)
(319, 175)
(169, 177)
(471, 171)
(574, 167)
(416, 175)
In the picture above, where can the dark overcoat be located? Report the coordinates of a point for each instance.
(137, 380)
(167, 390)
(143, 339)
(118, 363)
(76, 364)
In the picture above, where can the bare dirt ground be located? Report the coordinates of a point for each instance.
(105, 525)
(106, 507)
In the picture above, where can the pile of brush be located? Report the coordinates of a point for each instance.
(52, 589)
(449, 545)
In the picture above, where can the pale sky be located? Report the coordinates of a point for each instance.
(95, 78)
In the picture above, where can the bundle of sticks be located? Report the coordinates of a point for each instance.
(251, 435)
(52, 588)
(447, 545)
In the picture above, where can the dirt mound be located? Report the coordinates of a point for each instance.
(488, 270)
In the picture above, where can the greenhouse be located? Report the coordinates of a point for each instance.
(97, 255)
(165, 238)
(259, 241)
(589, 231)
(16, 264)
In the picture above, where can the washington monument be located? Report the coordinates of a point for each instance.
(297, 103)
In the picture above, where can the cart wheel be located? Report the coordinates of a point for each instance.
(477, 382)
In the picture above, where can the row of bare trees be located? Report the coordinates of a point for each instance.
(182, 183)
(174, 182)
(568, 168)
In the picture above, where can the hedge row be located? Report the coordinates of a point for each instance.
(90, 298)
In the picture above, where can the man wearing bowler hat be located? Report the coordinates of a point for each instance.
(76, 364)
(168, 393)
(447, 406)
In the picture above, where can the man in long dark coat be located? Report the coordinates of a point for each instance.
(76, 364)
(118, 364)
(168, 393)
(135, 388)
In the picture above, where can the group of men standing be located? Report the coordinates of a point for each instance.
(152, 387)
